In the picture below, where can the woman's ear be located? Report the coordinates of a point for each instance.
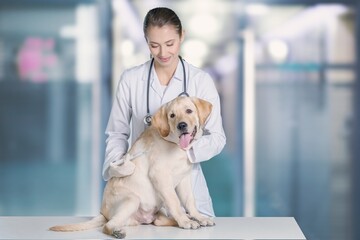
(182, 38)
(160, 121)
(204, 109)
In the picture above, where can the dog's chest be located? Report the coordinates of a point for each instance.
(179, 168)
(171, 165)
(176, 162)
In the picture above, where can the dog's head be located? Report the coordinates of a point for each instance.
(181, 120)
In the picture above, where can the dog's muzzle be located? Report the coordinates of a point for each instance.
(186, 138)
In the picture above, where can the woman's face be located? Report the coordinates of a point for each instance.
(164, 44)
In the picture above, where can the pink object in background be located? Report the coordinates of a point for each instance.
(35, 59)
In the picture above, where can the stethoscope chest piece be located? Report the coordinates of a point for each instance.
(147, 119)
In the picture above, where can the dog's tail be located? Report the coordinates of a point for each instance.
(97, 221)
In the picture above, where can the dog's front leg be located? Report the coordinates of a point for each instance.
(186, 196)
(164, 186)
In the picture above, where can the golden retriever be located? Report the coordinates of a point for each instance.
(161, 174)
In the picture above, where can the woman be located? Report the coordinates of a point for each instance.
(165, 74)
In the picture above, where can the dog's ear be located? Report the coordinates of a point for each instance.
(204, 108)
(160, 121)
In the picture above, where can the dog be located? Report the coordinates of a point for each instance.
(160, 175)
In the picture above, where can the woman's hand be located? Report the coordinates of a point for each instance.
(121, 168)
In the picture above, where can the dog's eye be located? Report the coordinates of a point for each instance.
(172, 115)
(189, 111)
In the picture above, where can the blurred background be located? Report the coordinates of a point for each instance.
(286, 71)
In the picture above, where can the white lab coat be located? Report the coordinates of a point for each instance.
(129, 108)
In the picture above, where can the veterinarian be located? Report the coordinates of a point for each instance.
(144, 88)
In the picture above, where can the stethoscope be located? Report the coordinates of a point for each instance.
(147, 118)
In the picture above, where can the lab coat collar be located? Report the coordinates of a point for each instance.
(179, 75)
(155, 85)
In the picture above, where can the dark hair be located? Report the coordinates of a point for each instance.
(160, 16)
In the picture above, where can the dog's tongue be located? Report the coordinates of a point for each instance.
(185, 140)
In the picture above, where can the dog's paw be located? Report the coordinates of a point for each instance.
(119, 233)
(203, 221)
(189, 224)
(206, 222)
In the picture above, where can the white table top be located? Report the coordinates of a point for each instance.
(226, 228)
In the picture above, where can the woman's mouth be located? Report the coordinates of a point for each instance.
(164, 59)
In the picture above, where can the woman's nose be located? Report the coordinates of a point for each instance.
(161, 51)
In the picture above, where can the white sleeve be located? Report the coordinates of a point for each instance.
(118, 128)
(212, 143)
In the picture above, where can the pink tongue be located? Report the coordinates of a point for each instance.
(185, 140)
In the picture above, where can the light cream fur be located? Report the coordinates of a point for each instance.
(161, 177)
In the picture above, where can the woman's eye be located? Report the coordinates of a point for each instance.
(170, 45)
(172, 115)
(189, 111)
(153, 46)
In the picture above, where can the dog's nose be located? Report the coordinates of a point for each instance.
(182, 126)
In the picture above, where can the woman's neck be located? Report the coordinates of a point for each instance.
(165, 74)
